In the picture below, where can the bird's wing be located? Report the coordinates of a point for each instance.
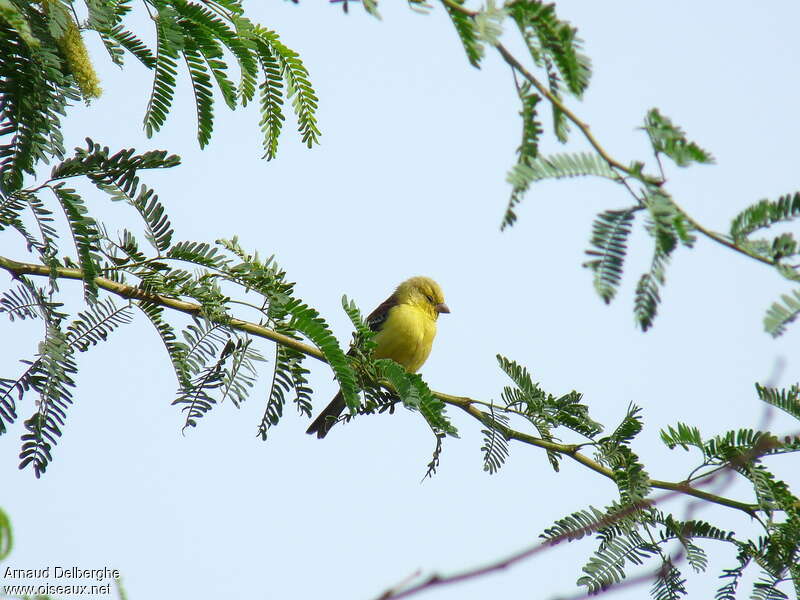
(378, 317)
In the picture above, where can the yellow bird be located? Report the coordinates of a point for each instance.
(405, 324)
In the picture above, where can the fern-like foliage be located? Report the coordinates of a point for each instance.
(51, 376)
(289, 375)
(85, 236)
(36, 87)
(560, 166)
(669, 584)
(527, 151)
(363, 337)
(44, 240)
(610, 232)
(298, 87)
(607, 566)
(788, 400)
(202, 342)
(240, 377)
(668, 226)
(732, 578)
(307, 321)
(667, 138)
(532, 168)
(176, 350)
(633, 531)
(682, 435)
(98, 164)
(95, 325)
(495, 442)
(553, 44)
(24, 302)
(545, 411)
(416, 394)
(566, 411)
(575, 526)
(764, 214)
(467, 33)
(780, 314)
(614, 450)
(40, 78)
(168, 41)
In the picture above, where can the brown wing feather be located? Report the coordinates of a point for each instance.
(378, 317)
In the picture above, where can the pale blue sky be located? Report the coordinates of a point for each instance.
(410, 179)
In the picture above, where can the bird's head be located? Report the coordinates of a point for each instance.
(423, 292)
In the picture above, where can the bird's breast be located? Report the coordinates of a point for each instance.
(406, 337)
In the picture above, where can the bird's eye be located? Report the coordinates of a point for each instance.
(430, 299)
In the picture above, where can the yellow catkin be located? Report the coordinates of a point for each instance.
(78, 61)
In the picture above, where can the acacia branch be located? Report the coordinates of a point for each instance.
(517, 66)
(435, 580)
(469, 405)
(134, 293)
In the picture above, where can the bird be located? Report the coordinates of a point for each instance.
(405, 325)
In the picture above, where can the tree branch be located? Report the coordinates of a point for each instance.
(468, 405)
(135, 293)
(612, 162)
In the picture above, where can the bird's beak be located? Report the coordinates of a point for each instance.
(442, 308)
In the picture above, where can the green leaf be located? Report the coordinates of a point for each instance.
(606, 567)
(489, 22)
(24, 302)
(203, 91)
(56, 366)
(36, 92)
(416, 394)
(16, 19)
(307, 321)
(208, 32)
(168, 44)
(118, 37)
(628, 429)
(159, 229)
(669, 584)
(85, 235)
(271, 94)
(669, 139)
(575, 526)
(780, 314)
(763, 214)
(95, 325)
(667, 225)
(364, 336)
(495, 442)
(610, 232)
(553, 41)
(560, 166)
(545, 411)
(289, 375)
(631, 478)
(682, 435)
(528, 148)
(176, 350)
(198, 253)
(467, 33)
(296, 77)
(788, 400)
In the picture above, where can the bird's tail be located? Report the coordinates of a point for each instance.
(323, 423)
